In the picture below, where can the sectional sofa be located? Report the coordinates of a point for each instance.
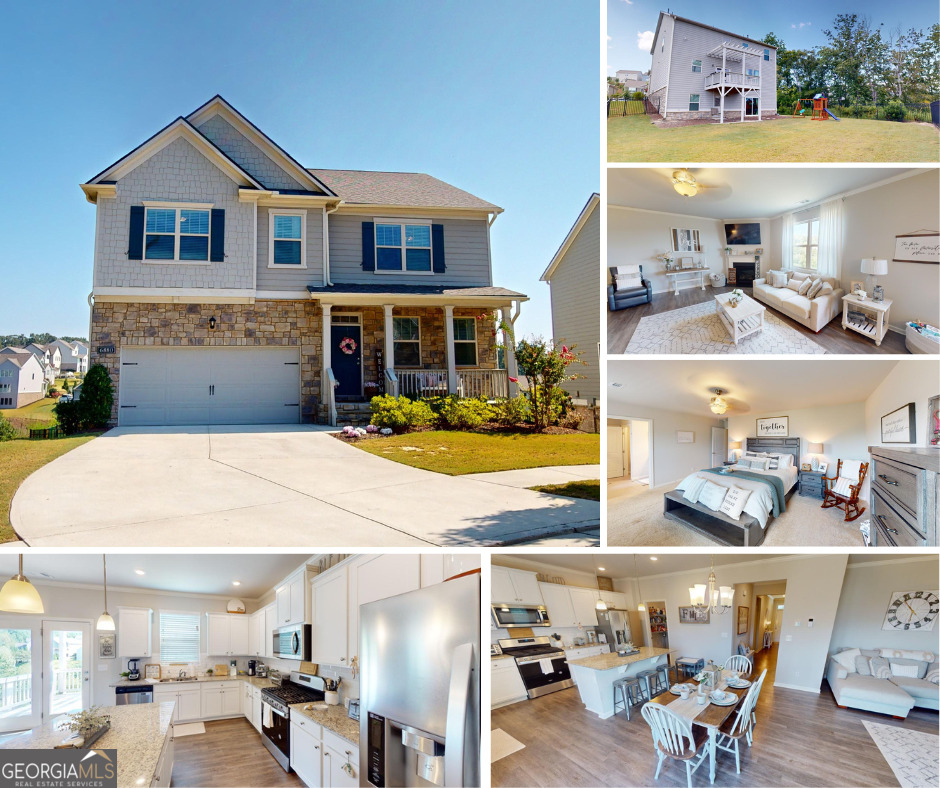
(815, 314)
(857, 684)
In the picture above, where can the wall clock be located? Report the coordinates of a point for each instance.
(912, 610)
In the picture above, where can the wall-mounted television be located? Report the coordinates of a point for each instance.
(743, 234)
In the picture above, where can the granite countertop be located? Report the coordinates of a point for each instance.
(333, 718)
(254, 681)
(611, 661)
(501, 656)
(586, 645)
(138, 732)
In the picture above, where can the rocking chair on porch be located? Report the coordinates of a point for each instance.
(841, 491)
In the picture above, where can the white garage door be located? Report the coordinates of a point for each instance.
(209, 386)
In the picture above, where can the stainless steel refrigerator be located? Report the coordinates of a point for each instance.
(615, 625)
(419, 655)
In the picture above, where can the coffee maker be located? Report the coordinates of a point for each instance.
(133, 672)
(252, 664)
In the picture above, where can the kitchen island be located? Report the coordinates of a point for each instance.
(141, 733)
(596, 675)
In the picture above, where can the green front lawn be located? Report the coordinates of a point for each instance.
(785, 140)
(18, 459)
(41, 410)
(457, 453)
(589, 490)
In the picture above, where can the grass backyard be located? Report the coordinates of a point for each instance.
(18, 459)
(457, 453)
(41, 410)
(634, 139)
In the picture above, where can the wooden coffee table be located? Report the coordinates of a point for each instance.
(742, 320)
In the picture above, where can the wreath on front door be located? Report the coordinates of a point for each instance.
(348, 345)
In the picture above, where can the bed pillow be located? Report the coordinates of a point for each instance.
(760, 463)
(786, 460)
(795, 285)
(880, 668)
(734, 501)
(933, 673)
(814, 289)
(773, 463)
(712, 495)
(863, 665)
(826, 289)
(693, 488)
(805, 286)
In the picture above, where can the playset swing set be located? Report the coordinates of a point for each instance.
(817, 105)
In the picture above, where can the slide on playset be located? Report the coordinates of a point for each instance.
(831, 115)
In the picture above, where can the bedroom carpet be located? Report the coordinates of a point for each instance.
(698, 329)
(639, 520)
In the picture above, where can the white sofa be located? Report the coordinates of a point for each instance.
(815, 314)
(895, 696)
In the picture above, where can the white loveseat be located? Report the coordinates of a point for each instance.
(896, 695)
(815, 314)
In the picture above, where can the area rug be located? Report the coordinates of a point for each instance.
(189, 729)
(698, 329)
(912, 755)
(502, 744)
(639, 520)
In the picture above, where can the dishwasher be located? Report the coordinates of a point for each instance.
(127, 694)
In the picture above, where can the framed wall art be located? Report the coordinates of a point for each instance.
(898, 426)
(685, 436)
(685, 240)
(107, 646)
(743, 620)
(920, 247)
(693, 615)
(933, 422)
(775, 427)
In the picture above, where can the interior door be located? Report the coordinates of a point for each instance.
(347, 366)
(20, 674)
(615, 452)
(719, 446)
(66, 657)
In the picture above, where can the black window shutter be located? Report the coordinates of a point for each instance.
(368, 246)
(217, 235)
(437, 248)
(135, 236)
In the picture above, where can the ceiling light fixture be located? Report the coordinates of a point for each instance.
(718, 404)
(105, 622)
(236, 582)
(600, 604)
(139, 572)
(18, 595)
(653, 558)
(684, 183)
(711, 596)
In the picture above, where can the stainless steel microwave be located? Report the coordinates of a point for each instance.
(510, 616)
(292, 642)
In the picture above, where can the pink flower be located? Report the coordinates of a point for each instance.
(513, 380)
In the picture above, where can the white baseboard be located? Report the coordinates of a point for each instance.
(814, 690)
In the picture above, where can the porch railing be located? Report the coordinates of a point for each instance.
(429, 383)
(487, 383)
(731, 78)
(422, 383)
(391, 382)
(67, 681)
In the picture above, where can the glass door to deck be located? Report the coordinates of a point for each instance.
(67, 657)
(20, 674)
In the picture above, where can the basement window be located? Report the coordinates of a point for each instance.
(694, 102)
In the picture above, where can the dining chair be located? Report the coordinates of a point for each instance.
(758, 685)
(738, 726)
(675, 737)
(739, 663)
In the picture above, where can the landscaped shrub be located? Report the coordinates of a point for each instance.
(397, 413)
(639, 95)
(7, 430)
(894, 111)
(465, 414)
(69, 415)
(97, 397)
(510, 412)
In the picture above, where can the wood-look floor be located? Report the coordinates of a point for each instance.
(230, 753)
(835, 339)
(801, 739)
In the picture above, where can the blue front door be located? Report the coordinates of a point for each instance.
(347, 360)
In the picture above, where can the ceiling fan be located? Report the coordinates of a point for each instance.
(685, 183)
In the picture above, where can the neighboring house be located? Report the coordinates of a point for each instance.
(22, 380)
(574, 276)
(49, 357)
(633, 80)
(74, 356)
(236, 286)
(81, 352)
(700, 71)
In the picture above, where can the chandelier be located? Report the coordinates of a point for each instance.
(718, 404)
(684, 182)
(717, 599)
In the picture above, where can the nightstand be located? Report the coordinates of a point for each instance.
(811, 484)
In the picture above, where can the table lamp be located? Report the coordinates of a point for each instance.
(735, 447)
(874, 268)
(815, 449)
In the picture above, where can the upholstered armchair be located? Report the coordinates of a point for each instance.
(628, 287)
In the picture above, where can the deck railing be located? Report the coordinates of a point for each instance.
(67, 681)
(732, 78)
(486, 383)
(15, 690)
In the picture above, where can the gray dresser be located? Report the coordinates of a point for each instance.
(904, 493)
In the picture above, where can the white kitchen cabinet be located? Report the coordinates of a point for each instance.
(377, 577)
(291, 600)
(231, 702)
(557, 599)
(282, 600)
(211, 702)
(134, 631)
(256, 708)
(226, 634)
(188, 700)
(436, 568)
(337, 752)
(221, 698)
(164, 769)
(270, 624)
(506, 683)
(247, 692)
(306, 756)
(614, 599)
(329, 606)
(256, 639)
(515, 585)
(583, 600)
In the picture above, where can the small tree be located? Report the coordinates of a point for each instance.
(65, 386)
(7, 430)
(97, 397)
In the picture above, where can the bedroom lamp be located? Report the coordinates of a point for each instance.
(735, 447)
(874, 267)
(684, 183)
(815, 449)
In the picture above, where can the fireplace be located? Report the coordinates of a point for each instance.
(743, 270)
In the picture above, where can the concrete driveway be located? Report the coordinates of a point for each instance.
(271, 486)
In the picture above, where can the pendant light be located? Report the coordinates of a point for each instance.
(639, 605)
(717, 599)
(105, 622)
(600, 604)
(18, 595)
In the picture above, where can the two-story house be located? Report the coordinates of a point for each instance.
(49, 357)
(702, 72)
(632, 80)
(234, 285)
(74, 356)
(22, 379)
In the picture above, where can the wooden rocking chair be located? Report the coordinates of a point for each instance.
(844, 499)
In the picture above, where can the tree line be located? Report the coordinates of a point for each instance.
(22, 340)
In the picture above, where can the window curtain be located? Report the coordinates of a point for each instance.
(829, 256)
(786, 246)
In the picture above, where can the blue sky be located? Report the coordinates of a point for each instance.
(498, 98)
(798, 22)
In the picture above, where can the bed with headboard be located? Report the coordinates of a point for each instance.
(746, 530)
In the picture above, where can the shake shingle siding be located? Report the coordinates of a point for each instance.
(288, 279)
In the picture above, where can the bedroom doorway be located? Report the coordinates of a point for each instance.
(719, 446)
(629, 457)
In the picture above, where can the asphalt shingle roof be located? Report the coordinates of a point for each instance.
(17, 358)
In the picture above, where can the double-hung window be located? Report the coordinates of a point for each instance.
(767, 54)
(806, 243)
(179, 636)
(403, 247)
(406, 332)
(694, 102)
(696, 66)
(176, 234)
(465, 341)
(287, 247)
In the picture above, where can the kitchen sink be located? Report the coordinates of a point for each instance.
(179, 678)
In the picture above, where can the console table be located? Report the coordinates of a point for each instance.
(686, 275)
(875, 323)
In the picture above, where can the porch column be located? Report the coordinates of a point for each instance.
(327, 351)
(449, 349)
(512, 369)
(389, 340)
(724, 65)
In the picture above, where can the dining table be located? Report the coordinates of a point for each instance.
(710, 716)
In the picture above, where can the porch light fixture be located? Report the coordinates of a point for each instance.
(18, 595)
(684, 183)
(710, 595)
(105, 622)
(718, 404)
(212, 324)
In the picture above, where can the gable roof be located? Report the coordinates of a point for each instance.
(586, 211)
(701, 24)
(18, 359)
(411, 189)
(10, 349)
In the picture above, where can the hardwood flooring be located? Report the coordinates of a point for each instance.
(801, 739)
(229, 753)
(835, 339)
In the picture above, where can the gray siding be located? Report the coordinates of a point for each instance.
(660, 64)
(178, 173)
(465, 252)
(287, 278)
(576, 296)
(247, 155)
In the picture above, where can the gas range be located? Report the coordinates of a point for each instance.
(542, 666)
(530, 649)
(275, 711)
(282, 697)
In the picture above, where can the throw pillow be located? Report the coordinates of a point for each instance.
(794, 285)
(842, 673)
(630, 280)
(814, 289)
(778, 279)
(847, 659)
(880, 668)
(826, 289)
(919, 664)
(933, 673)
(862, 665)
(774, 464)
(761, 463)
(841, 487)
(799, 277)
(712, 495)
(693, 488)
(909, 671)
(734, 502)
(805, 286)
(902, 653)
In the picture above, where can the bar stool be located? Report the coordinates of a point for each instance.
(630, 693)
(652, 682)
(668, 673)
